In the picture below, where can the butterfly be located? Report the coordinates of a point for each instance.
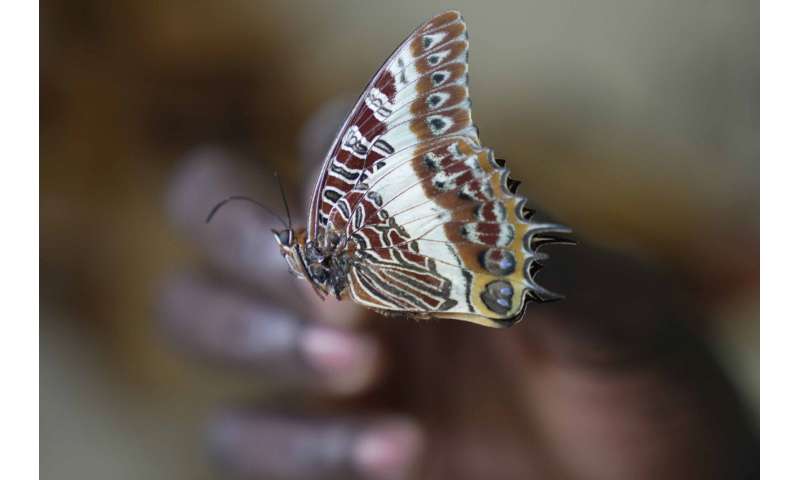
(411, 214)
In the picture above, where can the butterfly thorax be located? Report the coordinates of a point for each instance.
(322, 261)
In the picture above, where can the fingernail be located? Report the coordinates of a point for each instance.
(388, 451)
(348, 360)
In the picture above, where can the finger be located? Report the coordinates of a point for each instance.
(295, 448)
(239, 239)
(320, 131)
(227, 327)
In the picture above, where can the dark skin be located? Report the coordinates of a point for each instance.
(615, 382)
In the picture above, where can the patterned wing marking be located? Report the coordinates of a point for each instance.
(437, 179)
(405, 282)
(403, 185)
(390, 279)
(434, 56)
(467, 220)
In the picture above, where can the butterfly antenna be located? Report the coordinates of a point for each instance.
(283, 196)
(247, 199)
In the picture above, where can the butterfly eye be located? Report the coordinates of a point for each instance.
(284, 237)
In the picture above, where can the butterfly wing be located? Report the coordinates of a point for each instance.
(359, 144)
(433, 225)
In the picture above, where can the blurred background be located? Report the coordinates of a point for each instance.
(636, 122)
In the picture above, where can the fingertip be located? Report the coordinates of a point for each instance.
(266, 444)
(347, 361)
(389, 450)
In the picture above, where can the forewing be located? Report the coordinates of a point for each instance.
(380, 124)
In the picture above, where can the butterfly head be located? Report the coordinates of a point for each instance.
(290, 244)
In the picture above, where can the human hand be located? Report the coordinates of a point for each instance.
(612, 383)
